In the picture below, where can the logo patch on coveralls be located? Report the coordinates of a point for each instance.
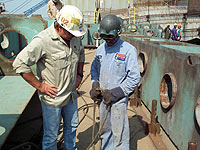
(99, 57)
(121, 57)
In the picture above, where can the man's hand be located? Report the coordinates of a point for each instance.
(50, 90)
(107, 97)
(112, 95)
(95, 92)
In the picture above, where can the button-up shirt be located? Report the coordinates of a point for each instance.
(56, 64)
(116, 66)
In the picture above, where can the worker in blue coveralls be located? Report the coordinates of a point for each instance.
(115, 71)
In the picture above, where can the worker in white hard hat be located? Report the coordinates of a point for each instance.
(59, 57)
(174, 32)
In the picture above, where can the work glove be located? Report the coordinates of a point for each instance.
(95, 92)
(112, 95)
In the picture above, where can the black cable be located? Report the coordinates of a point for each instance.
(25, 144)
(100, 128)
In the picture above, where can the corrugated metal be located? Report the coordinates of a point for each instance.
(84, 5)
(89, 5)
(193, 7)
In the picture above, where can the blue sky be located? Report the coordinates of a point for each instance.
(19, 6)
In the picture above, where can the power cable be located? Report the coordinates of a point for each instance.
(20, 7)
(6, 1)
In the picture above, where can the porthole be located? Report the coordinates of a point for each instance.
(168, 91)
(11, 43)
(197, 111)
(142, 62)
(189, 61)
(193, 60)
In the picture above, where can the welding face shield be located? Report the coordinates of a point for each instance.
(112, 35)
(110, 27)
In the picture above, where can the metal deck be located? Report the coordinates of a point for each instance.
(15, 95)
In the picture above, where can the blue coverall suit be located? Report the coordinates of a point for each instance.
(112, 67)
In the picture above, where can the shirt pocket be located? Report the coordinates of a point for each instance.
(60, 60)
(119, 67)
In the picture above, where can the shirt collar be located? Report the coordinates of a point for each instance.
(53, 33)
(118, 41)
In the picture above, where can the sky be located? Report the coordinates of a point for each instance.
(19, 6)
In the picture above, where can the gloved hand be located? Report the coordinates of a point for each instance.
(95, 92)
(112, 95)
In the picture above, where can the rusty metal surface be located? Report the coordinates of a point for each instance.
(181, 60)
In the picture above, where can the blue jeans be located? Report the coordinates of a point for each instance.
(51, 123)
(115, 132)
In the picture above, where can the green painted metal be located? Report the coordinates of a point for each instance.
(164, 56)
(186, 49)
(14, 91)
(20, 31)
(15, 95)
(181, 60)
(90, 38)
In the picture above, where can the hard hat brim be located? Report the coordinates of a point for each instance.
(78, 33)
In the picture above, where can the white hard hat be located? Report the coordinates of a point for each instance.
(175, 24)
(71, 19)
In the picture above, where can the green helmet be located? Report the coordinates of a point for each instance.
(110, 27)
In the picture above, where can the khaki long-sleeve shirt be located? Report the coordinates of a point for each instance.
(56, 64)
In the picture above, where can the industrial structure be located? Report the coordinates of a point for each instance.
(169, 88)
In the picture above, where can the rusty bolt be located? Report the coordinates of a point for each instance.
(154, 127)
(153, 112)
(192, 145)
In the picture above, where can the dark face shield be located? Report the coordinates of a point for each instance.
(111, 35)
(107, 37)
(110, 39)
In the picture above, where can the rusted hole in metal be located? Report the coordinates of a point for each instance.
(189, 61)
(11, 43)
(193, 60)
(168, 91)
(197, 111)
(142, 61)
